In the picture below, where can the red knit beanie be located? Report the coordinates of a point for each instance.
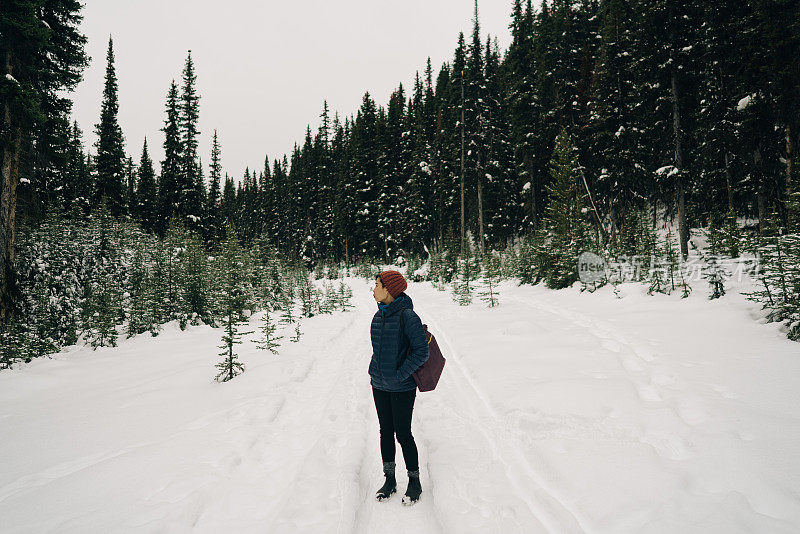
(394, 282)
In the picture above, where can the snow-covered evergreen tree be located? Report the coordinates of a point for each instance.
(465, 284)
(146, 194)
(307, 294)
(102, 306)
(778, 276)
(110, 158)
(344, 297)
(716, 275)
(190, 184)
(297, 333)
(214, 223)
(268, 341)
(169, 179)
(140, 296)
(533, 258)
(196, 281)
(234, 295)
(565, 216)
(491, 277)
(230, 366)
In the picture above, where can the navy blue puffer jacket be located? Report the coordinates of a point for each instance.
(390, 369)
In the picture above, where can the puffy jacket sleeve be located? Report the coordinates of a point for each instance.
(418, 343)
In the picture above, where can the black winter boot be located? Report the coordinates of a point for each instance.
(390, 486)
(414, 488)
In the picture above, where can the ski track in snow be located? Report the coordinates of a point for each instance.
(541, 507)
(334, 464)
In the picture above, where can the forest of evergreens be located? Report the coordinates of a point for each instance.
(603, 122)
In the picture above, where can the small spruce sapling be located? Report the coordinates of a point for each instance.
(268, 339)
(491, 277)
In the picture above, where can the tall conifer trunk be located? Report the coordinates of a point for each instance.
(480, 207)
(8, 203)
(791, 209)
(463, 233)
(678, 135)
(728, 181)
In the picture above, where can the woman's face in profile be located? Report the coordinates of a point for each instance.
(379, 292)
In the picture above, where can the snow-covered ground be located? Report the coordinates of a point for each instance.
(557, 412)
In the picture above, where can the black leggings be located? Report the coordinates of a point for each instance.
(394, 417)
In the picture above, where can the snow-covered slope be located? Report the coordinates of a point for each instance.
(557, 412)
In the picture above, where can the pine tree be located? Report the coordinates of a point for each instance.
(110, 158)
(469, 271)
(42, 60)
(722, 164)
(213, 207)
(189, 207)
(491, 277)
(104, 297)
(328, 299)
(658, 277)
(364, 147)
(778, 274)
(130, 189)
(234, 295)
(345, 294)
(146, 194)
(174, 282)
(673, 262)
(54, 259)
(168, 186)
(41, 334)
(297, 333)
(615, 147)
(276, 286)
(307, 293)
(716, 275)
(450, 265)
(15, 346)
(713, 270)
(196, 291)
(77, 188)
(159, 285)
(568, 230)
(230, 366)
(324, 226)
(268, 341)
(234, 273)
(534, 259)
(732, 234)
(501, 198)
(139, 294)
(288, 312)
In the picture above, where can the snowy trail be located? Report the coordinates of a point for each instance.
(556, 413)
(333, 489)
(385, 517)
(464, 411)
(297, 444)
(649, 375)
(624, 426)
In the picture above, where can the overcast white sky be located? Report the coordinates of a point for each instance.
(265, 67)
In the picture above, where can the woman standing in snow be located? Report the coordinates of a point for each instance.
(395, 329)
